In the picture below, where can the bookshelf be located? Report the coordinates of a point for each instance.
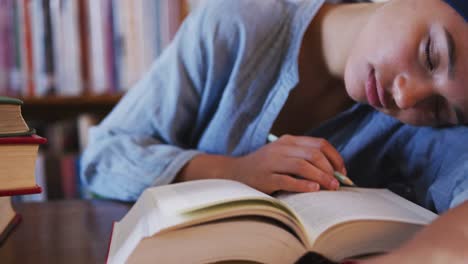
(53, 108)
(70, 62)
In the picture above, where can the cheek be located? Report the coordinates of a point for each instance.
(352, 81)
(389, 43)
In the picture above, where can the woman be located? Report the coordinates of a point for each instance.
(241, 69)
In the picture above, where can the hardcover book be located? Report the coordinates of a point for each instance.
(11, 119)
(9, 219)
(18, 160)
(209, 221)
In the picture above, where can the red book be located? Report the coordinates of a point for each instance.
(26, 140)
(18, 162)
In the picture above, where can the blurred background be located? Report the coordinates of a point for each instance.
(70, 61)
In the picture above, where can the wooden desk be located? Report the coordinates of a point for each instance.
(62, 232)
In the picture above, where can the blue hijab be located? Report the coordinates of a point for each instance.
(461, 6)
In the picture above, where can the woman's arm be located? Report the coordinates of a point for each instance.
(443, 241)
(149, 135)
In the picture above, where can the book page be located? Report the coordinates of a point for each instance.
(320, 210)
(187, 196)
(162, 207)
(248, 238)
(166, 205)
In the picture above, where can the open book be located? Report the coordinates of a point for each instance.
(219, 220)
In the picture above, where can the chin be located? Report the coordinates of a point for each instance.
(356, 92)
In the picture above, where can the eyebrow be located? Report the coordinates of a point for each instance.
(451, 53)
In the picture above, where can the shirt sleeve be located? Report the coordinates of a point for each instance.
(149, 136)
(436, 163)
(426, 165)
(460, 193)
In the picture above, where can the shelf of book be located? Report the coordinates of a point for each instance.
(61, 101)
(53, 108)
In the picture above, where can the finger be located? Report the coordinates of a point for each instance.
(330, 152)
(291, 184)
(312, 155)
(303, 168)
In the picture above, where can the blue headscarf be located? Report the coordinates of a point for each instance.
(461, 6)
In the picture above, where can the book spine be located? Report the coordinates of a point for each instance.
(140, 39)
(164, 12)
(112, 45)
(69, 19)
(120, 45)
(16, 77)
(131, 48)
(38, 47)
(175, 15)
(83, 36)
(10, 44)
(48, 50)
(157, 27)
(150, 29)
(96, 55)
(6, 25)
(56, 43)
(28, 58)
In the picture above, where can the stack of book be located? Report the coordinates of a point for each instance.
(19, 147)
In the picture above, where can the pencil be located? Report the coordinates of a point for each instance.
(343, 179)
(340, 177)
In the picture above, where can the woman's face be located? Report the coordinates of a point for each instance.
(411, 61)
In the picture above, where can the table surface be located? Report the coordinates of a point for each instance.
(68, 231)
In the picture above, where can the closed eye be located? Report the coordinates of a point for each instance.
(428, 49)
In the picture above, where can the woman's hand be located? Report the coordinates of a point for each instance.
(291, 163)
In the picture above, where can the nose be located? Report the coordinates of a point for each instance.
(407, 91)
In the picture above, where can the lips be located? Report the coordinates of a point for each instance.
(376, 96)
(371, 90)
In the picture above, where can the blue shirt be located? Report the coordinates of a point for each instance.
(219, 87)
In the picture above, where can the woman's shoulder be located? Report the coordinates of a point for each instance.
(244, 16)
(248, 9)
